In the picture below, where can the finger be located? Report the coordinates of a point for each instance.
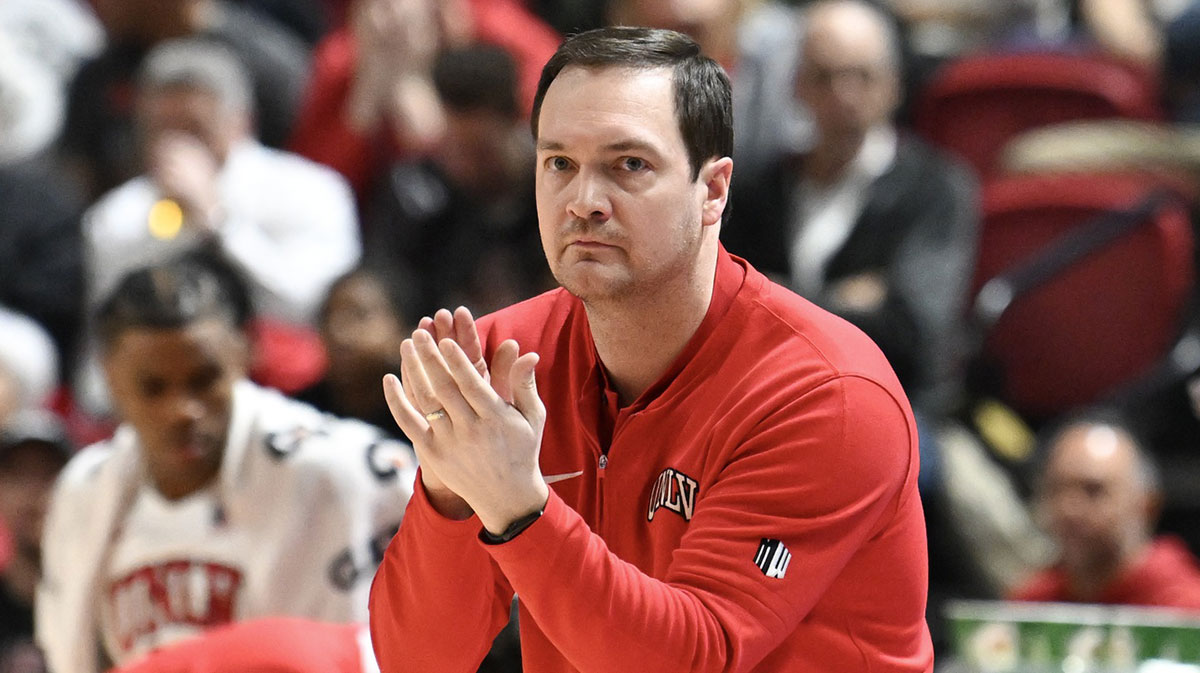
(406, 377)
(524, 388)
(411, 422)
(502, 362)
(425, 324)
(444, 387)
(417, 381)
(443, 324)
(473, 388)
(467, 336)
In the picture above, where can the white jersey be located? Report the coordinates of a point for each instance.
(295, 524)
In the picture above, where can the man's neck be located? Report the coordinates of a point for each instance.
(828, 161)
(1087, 581)
(639, 338)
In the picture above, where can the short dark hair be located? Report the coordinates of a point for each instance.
(479, 77)
(177, 293)
(703, 99)
(395, 287)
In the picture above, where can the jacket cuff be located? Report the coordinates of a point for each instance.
(430, 520)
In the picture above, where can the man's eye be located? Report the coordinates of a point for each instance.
(633, 164)
(558, 164)
(150, 388)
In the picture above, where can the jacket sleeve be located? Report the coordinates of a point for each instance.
(930, 281)
(321, 132)
(437, 601)
(823, 476)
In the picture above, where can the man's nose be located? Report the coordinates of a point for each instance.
(589, 200)
(184, 407)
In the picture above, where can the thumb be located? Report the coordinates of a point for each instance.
(523, 385)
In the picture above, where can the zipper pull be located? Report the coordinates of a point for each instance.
(603, 464)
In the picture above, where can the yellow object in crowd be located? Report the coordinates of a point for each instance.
(165, 220)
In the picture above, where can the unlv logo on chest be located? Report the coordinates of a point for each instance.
(675, 491)
(177, 593)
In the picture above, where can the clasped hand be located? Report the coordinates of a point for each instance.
(481, 454)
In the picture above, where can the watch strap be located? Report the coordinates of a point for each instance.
(514, 529)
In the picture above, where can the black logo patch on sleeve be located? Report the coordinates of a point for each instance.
(772, 558)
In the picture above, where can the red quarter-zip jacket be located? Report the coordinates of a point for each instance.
(755, 510)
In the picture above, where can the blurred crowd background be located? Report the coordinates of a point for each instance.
(1002, 194)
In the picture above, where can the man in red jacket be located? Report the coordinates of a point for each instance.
(1100, 497)
(674, 463)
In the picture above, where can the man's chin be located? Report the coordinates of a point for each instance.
(593, 282)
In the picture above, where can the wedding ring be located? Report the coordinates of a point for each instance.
(434, 415)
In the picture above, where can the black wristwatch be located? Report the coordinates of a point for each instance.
(514, 529)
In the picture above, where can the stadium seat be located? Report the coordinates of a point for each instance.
(1062, 339)
(974, 105)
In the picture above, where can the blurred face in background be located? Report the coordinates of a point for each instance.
(1092, 499)
(361, 329)
(175, 387)
(27, 474)
(477, 151)
(848, 76)
(194, 112)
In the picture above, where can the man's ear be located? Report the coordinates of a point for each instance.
(716, 176)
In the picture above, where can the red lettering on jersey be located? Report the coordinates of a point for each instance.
(175, 593)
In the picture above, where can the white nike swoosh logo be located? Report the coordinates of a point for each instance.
(551, 478)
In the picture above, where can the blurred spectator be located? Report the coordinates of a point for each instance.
(278, 645)
(1099, 497)
(569, 16)
(873, 225)
(757, 43)
(362, 322)
(41, 45)
(371, 99)
(287, 223)
(99, 139)
(216, 500)
(41, 259)
(942, 29)
(28, 364)
(462, 225)
(306, 19)
(58, 33)
(31, 103)
(33, 448)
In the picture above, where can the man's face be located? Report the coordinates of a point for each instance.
(619, 213)
(360, 328)
(192, 111)
(474, 150)
(1091, 497)
(846, 78)
(175, 387)
(26, 476)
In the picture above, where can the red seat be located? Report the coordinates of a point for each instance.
(975, 105)
(1106, 318)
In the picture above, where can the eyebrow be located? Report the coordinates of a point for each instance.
(623, 145)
